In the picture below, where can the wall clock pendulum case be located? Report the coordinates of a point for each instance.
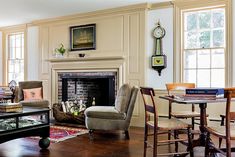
(158, 59)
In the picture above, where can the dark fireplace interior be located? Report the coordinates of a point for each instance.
(87, 86)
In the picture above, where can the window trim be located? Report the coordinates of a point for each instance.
(8, 53)
(6, 32)
(184, 5)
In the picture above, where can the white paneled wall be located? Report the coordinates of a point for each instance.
(32, 53)
(1, 62)
(233, 30)
(166, 19)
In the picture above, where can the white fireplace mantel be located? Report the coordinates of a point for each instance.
(86, 64)
(69, 59)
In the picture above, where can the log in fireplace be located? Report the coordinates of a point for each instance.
(86, 86)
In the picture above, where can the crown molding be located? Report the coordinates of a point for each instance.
(14, 28)
(161, 5)
(119, 10)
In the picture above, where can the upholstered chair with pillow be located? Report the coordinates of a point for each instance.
(30, 93)
(116, 117)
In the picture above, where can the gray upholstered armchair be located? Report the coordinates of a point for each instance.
(116, 117)
(30, 85)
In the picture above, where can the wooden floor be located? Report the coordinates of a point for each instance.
(103, 145)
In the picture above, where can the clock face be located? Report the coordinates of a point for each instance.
(159, 32)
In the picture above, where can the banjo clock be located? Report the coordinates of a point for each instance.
(158, 59)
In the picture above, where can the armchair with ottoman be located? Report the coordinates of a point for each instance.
(116, 117)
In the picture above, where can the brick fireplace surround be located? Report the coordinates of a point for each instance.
(86, 86)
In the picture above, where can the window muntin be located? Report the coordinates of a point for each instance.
(204, 47)
(15, 57)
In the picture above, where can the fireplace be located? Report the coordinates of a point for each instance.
(87, 86)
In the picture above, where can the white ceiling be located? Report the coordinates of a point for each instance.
(13, 12)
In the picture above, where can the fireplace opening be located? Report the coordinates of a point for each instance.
(88, 86)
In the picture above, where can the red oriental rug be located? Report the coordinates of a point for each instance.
(61, 133)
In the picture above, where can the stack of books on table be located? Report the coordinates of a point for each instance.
(10, 107)
(207, 93)
(5, 91)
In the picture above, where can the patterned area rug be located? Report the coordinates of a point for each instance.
(61, 133)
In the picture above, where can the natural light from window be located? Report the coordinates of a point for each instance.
(204, 47)
(16, 57)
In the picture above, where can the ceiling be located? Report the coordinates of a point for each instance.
(13, 12)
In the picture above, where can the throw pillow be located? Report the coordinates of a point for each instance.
(123, 98)
(33, 94)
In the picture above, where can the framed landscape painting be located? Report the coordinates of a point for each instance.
(83, 37)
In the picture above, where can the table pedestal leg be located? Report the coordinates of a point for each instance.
(203, 123)
(202, 138)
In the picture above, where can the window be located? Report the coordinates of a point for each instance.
(204, 47)
(203, 42)
(15, 57)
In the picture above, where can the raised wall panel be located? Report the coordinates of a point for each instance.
(44, 50)
(110, 35)
(1, 58)
(58, 34)
(46, 89)
(134, 27)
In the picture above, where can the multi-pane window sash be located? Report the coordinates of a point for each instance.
(16, 57)
(204, 47)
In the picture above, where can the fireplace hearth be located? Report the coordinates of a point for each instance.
(87, 86)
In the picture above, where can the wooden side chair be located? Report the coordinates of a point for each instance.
(226, 132)
(222, 124)
(162, 126)
(181, 114)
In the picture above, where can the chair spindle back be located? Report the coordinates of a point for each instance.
(149, 103)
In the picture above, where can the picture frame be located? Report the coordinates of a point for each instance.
(83, 37)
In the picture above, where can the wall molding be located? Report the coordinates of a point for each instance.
(96, 14)
(161, 5)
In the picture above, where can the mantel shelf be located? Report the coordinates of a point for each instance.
(85, 59)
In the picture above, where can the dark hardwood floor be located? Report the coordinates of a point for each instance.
(103, 145)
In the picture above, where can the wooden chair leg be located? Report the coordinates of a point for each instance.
(228, 147)
(169, 116)
(155, 139)
(169, 135)
(190, 141)
(91, 136)
(222, 124)
(176, 143)
(220, 142)
(145, 139)
(193, 124)
(207, 145)
(222, 120)
(127, 134)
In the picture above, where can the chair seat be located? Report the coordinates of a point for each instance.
(104, 112)
(35, 103)
(169, 124)
(185, 114)
(220, 131)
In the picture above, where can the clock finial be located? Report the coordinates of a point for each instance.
(158, 22)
